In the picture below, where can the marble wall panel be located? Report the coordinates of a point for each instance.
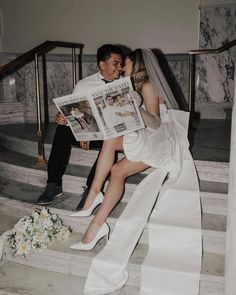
(59, 77)
(7, 84)
(89, 68)
(217, 25)
(215, 72)
(8, 89)
(11, 113)
(215, 78)
(180, 70)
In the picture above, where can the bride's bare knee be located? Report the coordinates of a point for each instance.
(117, 172)
(112, 143)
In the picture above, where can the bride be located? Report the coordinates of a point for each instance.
(174, 219)
(152, 146)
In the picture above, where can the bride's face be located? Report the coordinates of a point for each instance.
(127, 69)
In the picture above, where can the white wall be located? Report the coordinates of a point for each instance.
(171, 25)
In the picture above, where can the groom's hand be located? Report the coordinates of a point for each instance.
(60, 119)
(84, 145)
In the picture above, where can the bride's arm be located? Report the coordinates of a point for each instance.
(151, 115)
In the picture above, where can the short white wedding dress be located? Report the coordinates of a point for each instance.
(155, 147)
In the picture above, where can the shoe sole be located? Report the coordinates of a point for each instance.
(47, 203)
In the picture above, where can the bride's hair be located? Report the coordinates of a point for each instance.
(139, 72)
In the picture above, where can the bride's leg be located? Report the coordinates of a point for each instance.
(104, 164)
(119, 172)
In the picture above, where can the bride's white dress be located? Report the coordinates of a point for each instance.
(172, 265)
(158, 148)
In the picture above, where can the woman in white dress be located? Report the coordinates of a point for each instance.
(151, 146)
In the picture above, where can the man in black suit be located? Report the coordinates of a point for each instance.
(109, 60)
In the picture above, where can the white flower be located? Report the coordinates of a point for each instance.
(35, 215)
(23, 248)
(64, 234)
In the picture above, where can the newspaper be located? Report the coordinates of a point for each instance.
(103, 112)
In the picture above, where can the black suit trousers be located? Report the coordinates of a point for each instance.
(60, 154)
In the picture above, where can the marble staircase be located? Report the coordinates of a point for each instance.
(21, 182)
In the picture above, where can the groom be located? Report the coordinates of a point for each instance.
(109, 60)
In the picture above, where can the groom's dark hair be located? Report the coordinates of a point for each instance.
(104, 52)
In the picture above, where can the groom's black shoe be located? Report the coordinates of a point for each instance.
(50, 193)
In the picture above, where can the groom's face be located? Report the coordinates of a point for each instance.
(112, 67)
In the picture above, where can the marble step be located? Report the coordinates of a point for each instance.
(60, 258)
(212, 203)
(18, 279)
(210, 171)
(23, 167)
(22, 279)
(26, 280)
(24, 171)
(213, 226)
(65, 264)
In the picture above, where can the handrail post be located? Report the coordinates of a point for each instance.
(74, 78)
(191, 94)
(41, 159)
(80, 63)
(45, 89)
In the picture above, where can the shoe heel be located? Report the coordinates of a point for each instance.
(107, 237)
(108, 233)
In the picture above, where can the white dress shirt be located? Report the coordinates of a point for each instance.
(89, 82)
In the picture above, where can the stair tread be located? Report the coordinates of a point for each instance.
(25, 279)
(87, 158)
(214, 187)
(213, 237)
(27, 162)
(69, 201)
(6, 222)
(213, 264)
(18, 159)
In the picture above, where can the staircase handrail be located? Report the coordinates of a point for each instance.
(24, 58)
(31, 55)
(210, 51)
(192, 54)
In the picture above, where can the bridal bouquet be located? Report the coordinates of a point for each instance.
(37, 231)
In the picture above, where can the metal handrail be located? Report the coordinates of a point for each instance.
(218, 50)
(45, 47)
(31, 55)
(192, 54)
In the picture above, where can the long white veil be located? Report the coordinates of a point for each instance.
(158, 80)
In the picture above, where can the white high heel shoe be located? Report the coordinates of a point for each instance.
(103, 232)
(85, 213)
